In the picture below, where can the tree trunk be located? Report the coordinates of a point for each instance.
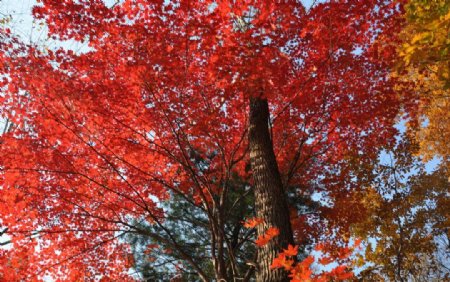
(271, 204)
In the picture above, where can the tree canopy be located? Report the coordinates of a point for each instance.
(211, 140)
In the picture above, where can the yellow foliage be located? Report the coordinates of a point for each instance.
(406, 209)
(425, 61)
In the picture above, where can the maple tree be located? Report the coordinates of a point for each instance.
(206, 102)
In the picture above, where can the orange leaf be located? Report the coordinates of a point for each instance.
(291, 250)
(262, 240)
(267, 236)
(272, 232)
(253, 222)
(325, 260)
(282, 262)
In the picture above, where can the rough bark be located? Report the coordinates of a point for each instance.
(271, 203)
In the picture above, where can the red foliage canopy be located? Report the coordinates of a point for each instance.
(101, 136)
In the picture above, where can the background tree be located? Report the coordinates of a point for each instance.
(406, 222)
(424, 62)
(152, 261)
